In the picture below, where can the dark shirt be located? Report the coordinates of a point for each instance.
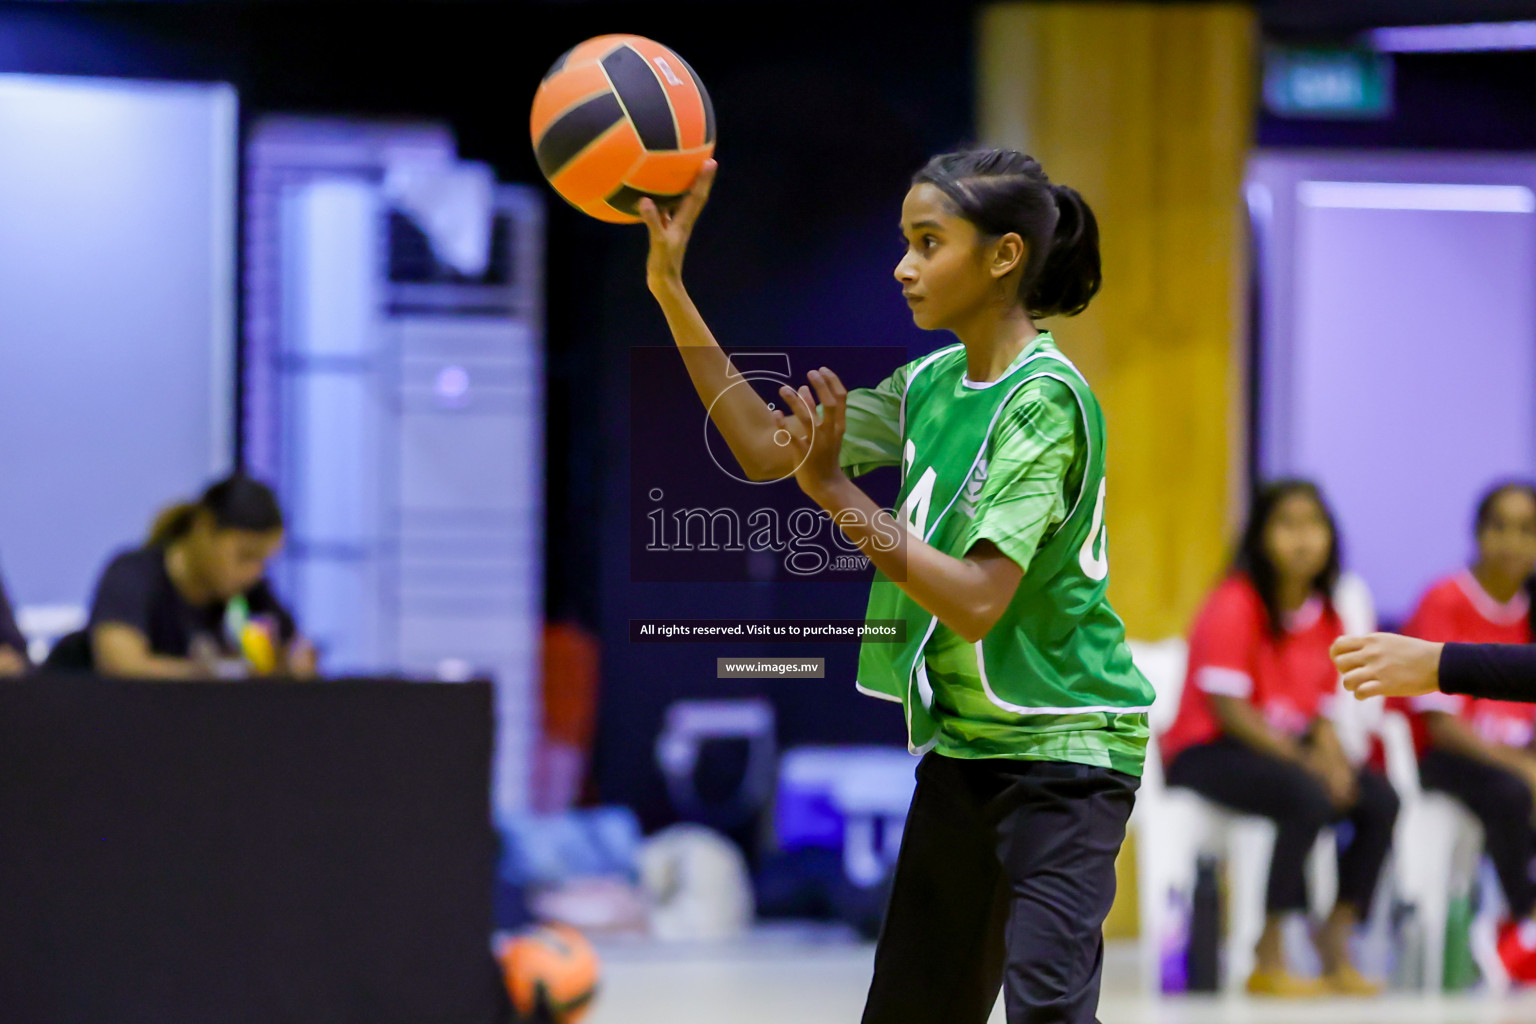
(10, 633)
(1495, 671)
(136, 590)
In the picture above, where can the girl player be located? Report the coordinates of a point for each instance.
(1483, 752)
(1015, 679)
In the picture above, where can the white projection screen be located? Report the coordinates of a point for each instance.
(1398, 355)
(117, 307)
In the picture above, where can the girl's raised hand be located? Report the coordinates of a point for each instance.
(303, 660)
(816, 444)
(670, 231)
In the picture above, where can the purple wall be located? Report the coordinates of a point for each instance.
(1397, 363)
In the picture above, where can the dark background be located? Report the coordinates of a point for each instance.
(275, 853)
(824, 112)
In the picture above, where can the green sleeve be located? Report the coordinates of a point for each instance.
(872, 425)
(1034, 459)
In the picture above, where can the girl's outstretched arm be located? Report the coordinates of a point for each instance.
(743, 418)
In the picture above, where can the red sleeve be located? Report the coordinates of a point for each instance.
(1226, 635)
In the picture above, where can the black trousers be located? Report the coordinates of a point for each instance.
(1235, 775)
(1005, 875)
(1502, 802)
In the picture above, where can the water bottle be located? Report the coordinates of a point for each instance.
(1461, 971)
(1205, 929)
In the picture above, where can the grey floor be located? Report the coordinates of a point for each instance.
(796, 976)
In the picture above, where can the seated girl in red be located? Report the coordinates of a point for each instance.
(1252, 732)
(1480, 751)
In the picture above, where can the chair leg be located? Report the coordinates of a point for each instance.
(1250, 844)
(1437, 863)
(1484, 935)
(1323, 873)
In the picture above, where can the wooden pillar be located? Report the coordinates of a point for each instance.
(1147, 110)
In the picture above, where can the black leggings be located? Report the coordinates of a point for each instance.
(1005, 875)
(1235, 775)
(1502, 802)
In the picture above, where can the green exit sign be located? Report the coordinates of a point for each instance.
(1327, 83)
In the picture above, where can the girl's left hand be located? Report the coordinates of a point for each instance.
(816, 445)
(303, 660)
(1333, 770)
(1387, 665)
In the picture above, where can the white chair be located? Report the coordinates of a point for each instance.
(1355, 721)
(44, 624)
(688, 726)
(1175, 825)
(1436, 851)
(1353, 601)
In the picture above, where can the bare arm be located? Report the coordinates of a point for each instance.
(1451, 734)
(301, 659)
(1242, 721)
(121, 650)
(743, 418)
(1323, 758)
(1327, 760)
(967, 594)
(1326, 739)
(13, 646)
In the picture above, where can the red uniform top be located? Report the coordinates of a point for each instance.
(1458, 610)
(1232, 653)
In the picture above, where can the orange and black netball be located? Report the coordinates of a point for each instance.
(619, 118)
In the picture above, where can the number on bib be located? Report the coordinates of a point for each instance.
(1096, 567)
(914, 511)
